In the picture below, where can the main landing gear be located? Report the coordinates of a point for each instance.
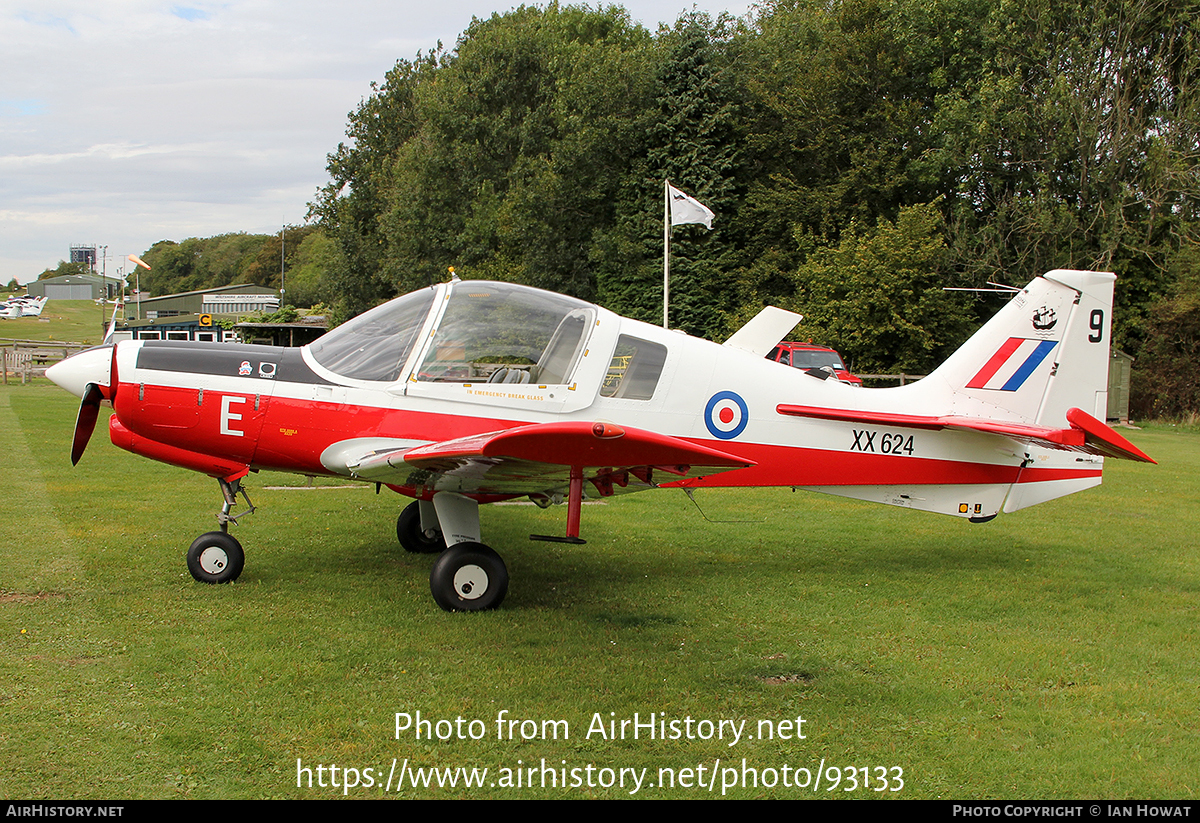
(417, 529)
(467, 576)
(217, 557)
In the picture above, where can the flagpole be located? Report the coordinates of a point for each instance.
(666, 249)
(678, 209)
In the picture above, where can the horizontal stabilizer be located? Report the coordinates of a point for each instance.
(1101, 438)
(1086, 434)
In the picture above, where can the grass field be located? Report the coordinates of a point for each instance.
(1048, 654)
(70, 321)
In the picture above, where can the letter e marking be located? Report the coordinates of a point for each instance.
(227, 415)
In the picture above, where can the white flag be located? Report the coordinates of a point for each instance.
(686, 209)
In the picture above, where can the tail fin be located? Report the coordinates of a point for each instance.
(1041, 361)
(1045, 353)
(1037, 374)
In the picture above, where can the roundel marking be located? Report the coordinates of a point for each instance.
(726, 415)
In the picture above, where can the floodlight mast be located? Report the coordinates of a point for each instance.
(139, 263)
(282, 246)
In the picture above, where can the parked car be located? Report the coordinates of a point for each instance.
(807, 356)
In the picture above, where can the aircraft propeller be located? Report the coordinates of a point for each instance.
(90, 375)
(85, 422)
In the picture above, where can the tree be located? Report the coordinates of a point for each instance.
(877, 296)
(691, 138)
(1077, 147)
(351, 206)
(269, 258)
(65, 268)
(199, 263)
(1166, 375)
(503, 158)
(843, 96)
(308, 278)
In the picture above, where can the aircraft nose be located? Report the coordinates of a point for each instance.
(89, 366)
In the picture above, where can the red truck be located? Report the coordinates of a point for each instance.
(807, 356)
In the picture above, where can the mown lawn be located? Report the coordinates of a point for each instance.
(1050, 653)
(71, 321)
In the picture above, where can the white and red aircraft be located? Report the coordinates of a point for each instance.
(589, 404)
(15, 307)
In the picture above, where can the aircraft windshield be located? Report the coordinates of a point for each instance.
(506, 333)
(376, 344)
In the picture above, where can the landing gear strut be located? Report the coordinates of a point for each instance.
(468, 576)
(217, 557)
(230, 490)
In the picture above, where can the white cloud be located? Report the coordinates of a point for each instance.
(132, 121)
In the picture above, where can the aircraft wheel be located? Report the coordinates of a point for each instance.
(215, 557)
(468, 577)
(411, 536)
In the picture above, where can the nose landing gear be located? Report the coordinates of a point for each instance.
(217, 557)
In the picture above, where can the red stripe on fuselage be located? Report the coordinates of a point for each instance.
(799, 466)
(777, 465)
(294, 432)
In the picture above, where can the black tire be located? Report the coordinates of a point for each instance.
(468, 577)
(215, 557)
(410, 535)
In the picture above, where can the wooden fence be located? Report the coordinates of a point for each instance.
(31, 358)
(884, 378)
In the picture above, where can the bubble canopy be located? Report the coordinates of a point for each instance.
(537, 335)
(376, 344)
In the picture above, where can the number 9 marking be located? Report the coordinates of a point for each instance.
(1096, 324)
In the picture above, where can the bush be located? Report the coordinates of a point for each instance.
(1166, 376)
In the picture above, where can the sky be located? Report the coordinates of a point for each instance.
(126, 122)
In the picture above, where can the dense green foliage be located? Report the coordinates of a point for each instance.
(860, 155)
(201, 263)
(879, 293)
(1169, 384)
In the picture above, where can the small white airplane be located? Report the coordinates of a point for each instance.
(473, 392)
(22, 307)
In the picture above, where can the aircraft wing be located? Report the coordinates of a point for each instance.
(1086, 434)
(537, 459)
